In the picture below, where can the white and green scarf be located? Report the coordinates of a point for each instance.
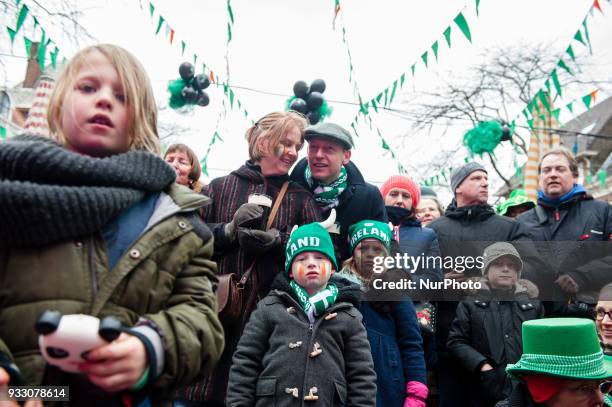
(315, 304)
(326, 195)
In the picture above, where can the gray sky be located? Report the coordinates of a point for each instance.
(277, 42)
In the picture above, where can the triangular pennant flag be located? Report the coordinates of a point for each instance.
(578, 37)
(229, 32)
(565, 67)
(402, 78)
(167, 31)
(545, 101)
(434, 48)
(183, 47)
(171, 35)
(384, 144)
(231, 98)
(556, 113)
(601, 176)
(530, 123)
(11, 33)
(586, 34)
(555, 79)
(151, 8)
(447, 35)
(547, 86)
(54, 58)
(424, 58)
(477, 5)
(587, 101)
(42, 50)
(597, 6)
(570, 106)
(463, 26)
(379, 96)
(386, 97)
(594, 94)
(525, 114)
(28, 45)
(230, 12)
(159, 24)
(2, 133)
(374, 106)
(393, 92)
(195, 59)
(23, 13)
(412, 68)
(570, 52)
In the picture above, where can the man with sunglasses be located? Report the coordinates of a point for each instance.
(562, 365)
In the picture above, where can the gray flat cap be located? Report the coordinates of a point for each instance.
(461, 173)
(330, 131)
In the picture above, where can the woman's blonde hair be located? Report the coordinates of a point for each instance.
(196, 168)
(271, 128)
(139, 98)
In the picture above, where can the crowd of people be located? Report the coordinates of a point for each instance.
(100, 224)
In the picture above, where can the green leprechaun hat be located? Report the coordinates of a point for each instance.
(562, 347)
(517, 197)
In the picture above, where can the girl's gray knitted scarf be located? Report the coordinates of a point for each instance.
(49, 194)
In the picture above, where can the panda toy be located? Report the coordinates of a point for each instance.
(65, 340)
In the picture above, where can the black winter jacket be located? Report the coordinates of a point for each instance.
(358, 202)
(581, 230)
(487, 329)
(466, 231)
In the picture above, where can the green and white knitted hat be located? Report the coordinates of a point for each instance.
(562, 347)
(369, 229)
(309, 238)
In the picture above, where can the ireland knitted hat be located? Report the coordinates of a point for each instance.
(369, 229)
(309, 238)
(461, 173)
(497, 250)
(562, 347)
(517, 197)
(402, 182)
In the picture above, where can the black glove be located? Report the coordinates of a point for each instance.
(258, 241)
(247, 216)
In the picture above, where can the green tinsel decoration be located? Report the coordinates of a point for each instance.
(484, 138)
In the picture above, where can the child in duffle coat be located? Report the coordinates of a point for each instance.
(96, 225)
(485, 335)
(393, 331)
(305, 344)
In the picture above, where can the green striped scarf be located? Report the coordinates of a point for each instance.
(327, 195)
(315, 304)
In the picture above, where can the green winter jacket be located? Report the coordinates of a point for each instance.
(165, 277)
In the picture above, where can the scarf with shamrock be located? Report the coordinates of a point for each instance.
(327, 195)
(315, 304)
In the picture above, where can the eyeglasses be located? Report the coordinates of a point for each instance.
(600, 314)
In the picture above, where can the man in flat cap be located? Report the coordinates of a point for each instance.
(468, 226)
(336, 182)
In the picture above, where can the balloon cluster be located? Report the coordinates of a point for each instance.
(309, 100)
(189, 89)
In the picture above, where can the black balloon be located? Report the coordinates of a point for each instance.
(200, 82)
(299, 105)
(313, 117)
(189, 94)
(186, 70)
(315, 100)
(300, 89)
(203, 99)
(318, 85)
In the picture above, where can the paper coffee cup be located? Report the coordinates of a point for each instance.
(265, 202)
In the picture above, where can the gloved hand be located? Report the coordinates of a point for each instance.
(416, 394)
(247, 216)
(258, 241)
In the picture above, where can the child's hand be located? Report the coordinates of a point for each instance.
(118, 365)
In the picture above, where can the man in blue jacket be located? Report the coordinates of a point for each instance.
(337, 183)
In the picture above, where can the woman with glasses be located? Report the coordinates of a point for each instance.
(562, 365)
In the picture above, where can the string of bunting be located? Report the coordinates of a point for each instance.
(357, 94)
(172, 36)
(580, 37)
(386, 96)
(47, 46)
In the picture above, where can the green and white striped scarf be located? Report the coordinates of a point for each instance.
(316, 304)
(327, 195)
